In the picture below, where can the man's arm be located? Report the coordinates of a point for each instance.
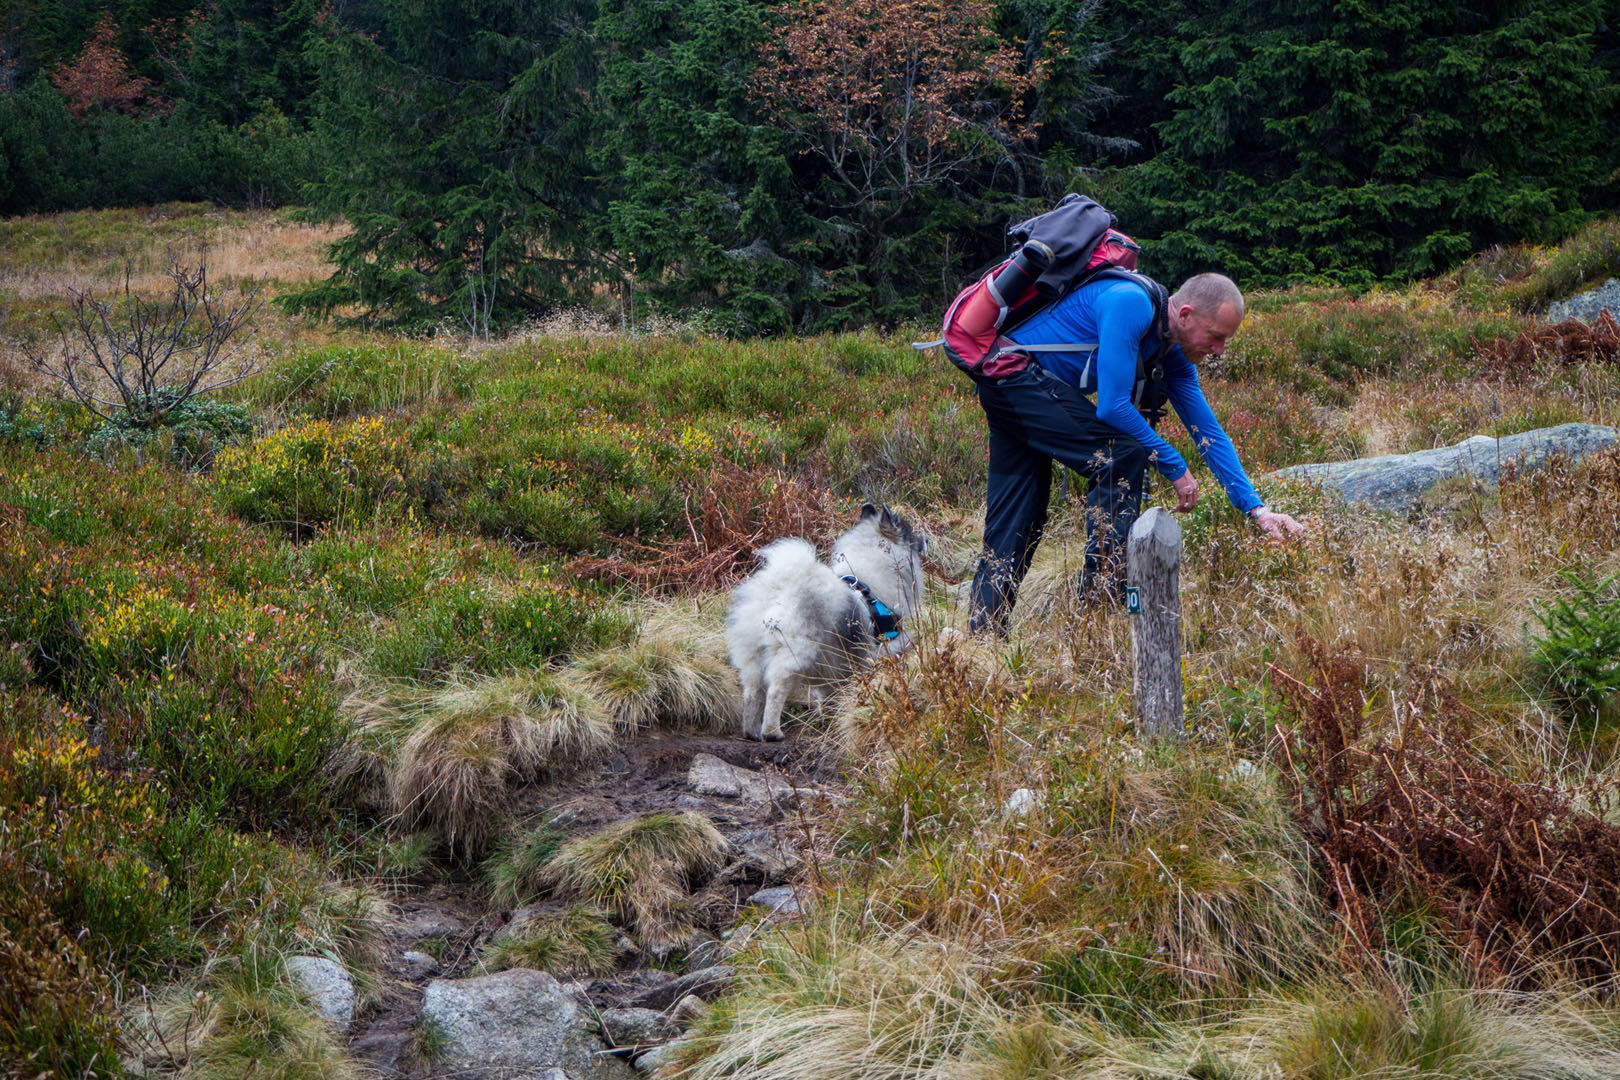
(1215, 447)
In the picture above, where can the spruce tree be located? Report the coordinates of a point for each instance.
(456, 138)
(1356, 139)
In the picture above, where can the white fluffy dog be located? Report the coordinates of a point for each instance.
(798, 627)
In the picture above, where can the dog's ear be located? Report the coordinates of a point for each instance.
(868, 512)
(893, 527)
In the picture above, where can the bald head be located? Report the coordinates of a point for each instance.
(1204, 312)
(1208, 293)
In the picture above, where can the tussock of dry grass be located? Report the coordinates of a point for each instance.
(578, 941)
(840, 1002)
(243, 1018)
(1198, 856)
(639, 871)
(674, 673)
(445, 757)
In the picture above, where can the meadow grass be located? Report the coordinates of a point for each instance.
(371, 616)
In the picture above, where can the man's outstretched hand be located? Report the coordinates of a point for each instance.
(1186, 492)
(1277, 526)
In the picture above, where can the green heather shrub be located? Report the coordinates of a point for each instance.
(38, 422)
(83, 830)
(1322, 348)
(336, 382)
(1577, 649)
(144, 875)
(482, 626)
(127, 599)
(922, 452)
(316, 473)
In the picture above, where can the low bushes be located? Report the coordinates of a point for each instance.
(315, 473)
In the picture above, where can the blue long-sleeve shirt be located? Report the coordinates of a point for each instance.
(1118, 317)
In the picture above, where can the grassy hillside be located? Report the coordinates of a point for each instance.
(255, 677)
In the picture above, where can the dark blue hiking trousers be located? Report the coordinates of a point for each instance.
(1035, 419)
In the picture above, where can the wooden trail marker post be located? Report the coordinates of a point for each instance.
(1153, 597)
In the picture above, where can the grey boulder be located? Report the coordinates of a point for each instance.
(709, 775)
(1398, 481)
(637, 1027)
(500, 1025)
(327, 985)
(1588, 305)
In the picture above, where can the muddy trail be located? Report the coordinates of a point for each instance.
(760, 796)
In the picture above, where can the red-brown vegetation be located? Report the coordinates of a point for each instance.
(1523, 872)
(737, 512)
(101, 75)
(1567, 344)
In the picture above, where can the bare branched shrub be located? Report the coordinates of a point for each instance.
(134, 361)
(1524, 873)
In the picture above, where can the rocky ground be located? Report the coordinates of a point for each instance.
(437, 1013)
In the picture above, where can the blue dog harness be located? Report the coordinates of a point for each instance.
(885, 623)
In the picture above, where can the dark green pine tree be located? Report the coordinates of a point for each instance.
(238, 58)
(456, 139)
(702, 207)
(1356, 139)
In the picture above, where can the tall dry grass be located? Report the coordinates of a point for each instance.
(444, 758)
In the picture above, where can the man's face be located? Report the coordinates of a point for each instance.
(1200, 334)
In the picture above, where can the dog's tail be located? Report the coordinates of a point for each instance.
(787, 553)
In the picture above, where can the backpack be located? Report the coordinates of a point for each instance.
(1073, 244)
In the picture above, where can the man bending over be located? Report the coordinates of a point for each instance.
(1044, 413)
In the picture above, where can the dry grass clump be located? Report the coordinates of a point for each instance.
(446, 756)
(673, 673)
(1004, 808)
(1562, 514)
(835, 1001)
(241, 1018)
(842, 1002)
(1331, 1031)
(571, 943)
(1524, 873)
(737, 512)
(639, 871)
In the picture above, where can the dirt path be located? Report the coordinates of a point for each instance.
(437, 931)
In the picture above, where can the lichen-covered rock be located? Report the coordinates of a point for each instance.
(1588, 305)
(1398, 481)
(327, 986)
(636, 1027)
(496, 1025)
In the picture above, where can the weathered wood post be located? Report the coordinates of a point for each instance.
(1153, 597)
